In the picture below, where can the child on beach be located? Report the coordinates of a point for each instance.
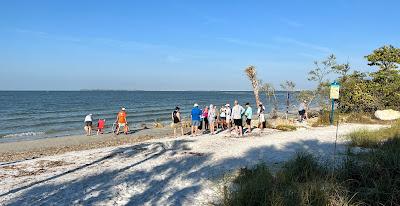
(100, 126)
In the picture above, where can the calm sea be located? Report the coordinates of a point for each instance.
(40, 114)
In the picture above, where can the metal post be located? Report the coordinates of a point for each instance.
(332, 111)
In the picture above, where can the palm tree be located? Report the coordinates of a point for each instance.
(251, 73)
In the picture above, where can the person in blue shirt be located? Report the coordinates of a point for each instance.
(249, 114)
(196, 115)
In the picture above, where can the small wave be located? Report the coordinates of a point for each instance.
(24, 134)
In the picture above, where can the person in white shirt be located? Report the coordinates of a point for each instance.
(88, 124)
(261, 115)
(211, 118)
(222, 117)
(237, 113)
(228, 112)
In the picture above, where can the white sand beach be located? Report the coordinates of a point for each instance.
(166, 171)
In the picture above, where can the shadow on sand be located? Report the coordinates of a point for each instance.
(159, 187)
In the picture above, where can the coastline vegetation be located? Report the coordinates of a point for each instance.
(369, 176)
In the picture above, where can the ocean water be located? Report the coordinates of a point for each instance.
(40, 114)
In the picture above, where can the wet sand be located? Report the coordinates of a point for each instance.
(16, 151)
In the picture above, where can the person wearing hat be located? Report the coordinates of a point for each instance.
(195, 114)
(121, 121)
(177, 121)
(88, 124)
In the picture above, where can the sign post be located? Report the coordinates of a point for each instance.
(334, 94)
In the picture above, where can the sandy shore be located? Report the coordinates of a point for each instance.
(16, 151)
(181, 171)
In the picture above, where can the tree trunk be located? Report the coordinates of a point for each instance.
(256, 91)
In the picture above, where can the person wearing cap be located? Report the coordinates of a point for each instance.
(249, 114)
(88, 124)
(237, 113)
(121, 121)
(177, 121)
(195, 114)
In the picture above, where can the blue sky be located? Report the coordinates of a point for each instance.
(183, 45)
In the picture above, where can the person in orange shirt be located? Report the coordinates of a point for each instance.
(121, 121)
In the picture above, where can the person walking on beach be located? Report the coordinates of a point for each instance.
(249, 114)
(302, 111)
(237, 113)
(211, 118)
(177, 121)
(222, 116)
(205, 115)
(196, 113)
(88, 124)
(121, 121)
(228, 113)
(100, 126)
(261, 115)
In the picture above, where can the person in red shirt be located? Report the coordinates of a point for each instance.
(121, 121)
(100, 126)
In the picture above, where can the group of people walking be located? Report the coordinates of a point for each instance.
(226, 118)
(209, 118)
(120, 122)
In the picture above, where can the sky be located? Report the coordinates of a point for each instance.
(186, 44)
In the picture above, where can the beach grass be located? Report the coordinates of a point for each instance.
(373, 138)
(371, 177)
(285, 127)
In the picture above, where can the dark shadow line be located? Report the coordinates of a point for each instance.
(79, 168)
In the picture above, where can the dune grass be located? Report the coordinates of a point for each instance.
(354, 117)
(286, 127)
(372, 139)
(367, 178)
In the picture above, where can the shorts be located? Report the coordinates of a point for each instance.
(248, 121)
(302, 112)
(195, 123)
(223, 118)
(238, 122)
(177, 125)
(262, 118)
(121, 124)
(88, 123)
